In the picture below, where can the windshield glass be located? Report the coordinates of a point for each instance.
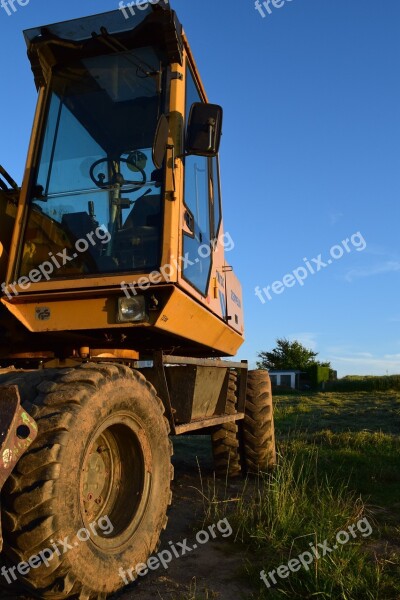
(97, 197)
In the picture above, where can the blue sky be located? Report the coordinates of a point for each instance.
(310, 157)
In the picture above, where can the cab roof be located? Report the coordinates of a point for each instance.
(157, 24)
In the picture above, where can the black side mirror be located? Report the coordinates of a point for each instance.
(160, 141)
(204, 129)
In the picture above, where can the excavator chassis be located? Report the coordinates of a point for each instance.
(17, 432)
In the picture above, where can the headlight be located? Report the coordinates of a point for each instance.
(132, 310)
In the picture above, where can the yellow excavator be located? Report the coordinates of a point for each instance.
(118, 305)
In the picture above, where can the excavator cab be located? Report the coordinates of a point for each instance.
(95, 170)
(120, 205)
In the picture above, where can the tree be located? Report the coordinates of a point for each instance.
(289, 355)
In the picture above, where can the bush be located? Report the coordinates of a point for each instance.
(318, 374)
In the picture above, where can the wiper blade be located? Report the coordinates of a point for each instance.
(118, 46)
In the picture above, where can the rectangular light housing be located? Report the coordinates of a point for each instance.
(132, 310)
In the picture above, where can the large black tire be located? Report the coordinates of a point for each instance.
(101, 464)
(258, 427)
(224, 439)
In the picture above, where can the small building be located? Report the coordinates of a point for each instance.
(289, 378)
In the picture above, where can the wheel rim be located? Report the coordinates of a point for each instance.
(115, 479)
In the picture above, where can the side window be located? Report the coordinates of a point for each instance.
(215, 198)
(196, 245)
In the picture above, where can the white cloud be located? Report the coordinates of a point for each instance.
(376, 250)
(338, 349)
(389, 266)
(307, 338)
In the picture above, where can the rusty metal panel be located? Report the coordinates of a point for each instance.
(209, 383)
(181, 383)
(17, 432)
(210, 422)
(195, 391)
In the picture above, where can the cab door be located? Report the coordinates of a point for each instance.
(197, 209)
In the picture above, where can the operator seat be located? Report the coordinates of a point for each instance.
(146, 212)
(139, 239)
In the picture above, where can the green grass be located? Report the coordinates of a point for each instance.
(339, 462)
(357, 434)
(349, 411)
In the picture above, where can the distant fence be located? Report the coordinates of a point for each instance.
(364, 384)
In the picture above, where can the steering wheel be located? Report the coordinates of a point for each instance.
(116, 177)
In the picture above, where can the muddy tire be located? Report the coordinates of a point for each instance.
(94, 487)
(258, 426)
(225, 442)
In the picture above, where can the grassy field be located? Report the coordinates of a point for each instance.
(339, 465)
